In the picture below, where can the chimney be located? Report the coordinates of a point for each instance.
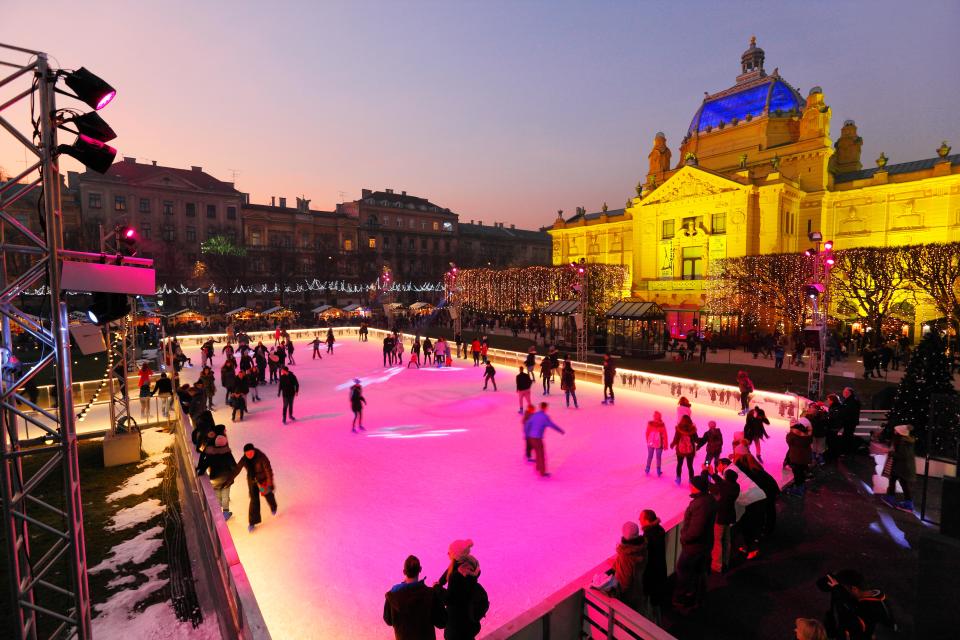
(513, 226)
(471, 222)
(403, 193)
(154, 163)
(283, 203)
(196, 168)
(273, 201)
(390, 191)
(245, 198)
(365, 193)
(479, 223)
(129, 159)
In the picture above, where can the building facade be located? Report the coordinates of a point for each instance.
(757, 171)
(174, 211)
(414, 237)
(498, 246)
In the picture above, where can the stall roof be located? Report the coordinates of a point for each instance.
(353, 307)
(184, 312)
(393, 305)
(276, 310)
(416, 306)
(635, 310)
(238, 310)
(562, 308)
(321, 308)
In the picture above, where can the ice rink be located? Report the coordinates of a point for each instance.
(441, 460)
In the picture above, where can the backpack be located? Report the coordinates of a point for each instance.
(479, 603)
(685, 446)
(653, 440)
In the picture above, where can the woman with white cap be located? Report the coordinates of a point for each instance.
(902, 468)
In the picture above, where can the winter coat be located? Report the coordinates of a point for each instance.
(163, 386)
(713, 438)
(259, 471)
(656, 426)
(744, 384)
(628, 569)
(696, 532)
(413, 610)
(725, 492)
(753, 429)
(241, 385)
(655, 573)
(681, 432)
(568, 379)
(209, 384)
(466, 599)
(523, 382)
(851, 413)
(609, 372)
(820, 422)
(489, 371)
(356, 398)
(904, 458)
(288, 385)
(220, 462)
(798, 448)
(227, 377)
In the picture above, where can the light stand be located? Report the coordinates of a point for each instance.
(121, 350)
(580, 273)
(818, 293)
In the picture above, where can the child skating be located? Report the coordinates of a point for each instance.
(489, 376)
(356, 405)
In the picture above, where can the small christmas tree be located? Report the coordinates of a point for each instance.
(928, 373)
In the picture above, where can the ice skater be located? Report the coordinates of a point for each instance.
(414, 353)
(218, 458)
(330, 340)
(356, 405)
(259, 482)
(685, 442)
(253, 381)
(609, 375)
(568, 383)
(316, 348)
(754, 431)
(534, 428)
(656, 441)
(713, 439)
(489, 375)
(289, 387)
(524, 382)
(290, 359)
(546, 374)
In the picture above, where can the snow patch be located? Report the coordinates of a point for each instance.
(141, 482)
(119, 581)
(135, 550)
(137, 514)
(155, 441)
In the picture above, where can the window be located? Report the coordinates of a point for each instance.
(719, 223)
(448, 226)
(169, 233)
(119, 203)
(411, 223)
(423, 225)
(95, 201)
(372, 243)
(446, 246)
(231, 213)
(399, 222)
(212, 231)
(144, 205)
(348, 245)
(411, 244)
(436, 245)
(211, 212)
(255, 238)
(145, 230)
(692, 263)
(191, 210)
(423, 244)
(386, 220)
(436, 226)
(667, 229)
(168, 207)
(305, 241)
(191, 234)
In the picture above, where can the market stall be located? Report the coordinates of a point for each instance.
(281, 315)
(635, 328)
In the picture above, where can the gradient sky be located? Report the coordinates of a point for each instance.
(501, 111)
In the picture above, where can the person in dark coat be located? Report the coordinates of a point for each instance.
(199, 399)
(799, 441)
(238, 395)
(466, 600)
(752, 468)
(834, 425)
(356, 405)
(412, 608)
(855, 612)
(163, 388)
(725, 490)
(850, 419)
(288, 387)
(218, 459)
(609, 375)
(228, 375)
(629, 565)
(655, 573)
(753, 429)
(259, 482)
(903, 469)
(713, 439)
(696, 543)
(202, 425)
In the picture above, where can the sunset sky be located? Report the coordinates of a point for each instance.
(501, 111)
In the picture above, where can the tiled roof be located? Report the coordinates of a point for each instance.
(562, 308)
(489, 231)
(277, 209)
(893, 169)
(597, 214)
(135, 171)
(380, 196)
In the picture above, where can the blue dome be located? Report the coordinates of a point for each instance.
(771, 95)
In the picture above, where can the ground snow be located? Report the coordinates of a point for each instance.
(440, 460)
(119, 581)
(141, 482)
(155, 442)
(137, 514)
(136, 550)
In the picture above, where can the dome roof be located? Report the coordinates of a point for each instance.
(768, 94)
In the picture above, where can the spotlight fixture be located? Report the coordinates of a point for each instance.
(107, 307)
(90, 88)
(828, 245)
(92, 126)
(92, 153)
(815, 236)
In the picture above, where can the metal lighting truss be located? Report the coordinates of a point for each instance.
(120, 338)
(43, 536)
(820, 305)
(581, 318)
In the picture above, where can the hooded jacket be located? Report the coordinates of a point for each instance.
(696, 532)
(655, 572)
(414, 610)
(259, 471)
(628, 568)
(220, 462)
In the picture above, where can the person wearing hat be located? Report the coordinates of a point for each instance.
(850, 418)
(259, 482)
(628, 566)
(289, 387)
(219, 460)
(466, 599)
(903, 468)
(799, 441)
(413, 609)
(655, 571)
(356, 405)
(696, 543)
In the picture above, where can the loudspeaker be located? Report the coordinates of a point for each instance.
(950, 508)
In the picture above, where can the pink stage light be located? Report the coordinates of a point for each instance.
(830, 261)
(105, 100)
(130, 233)
(828, 245)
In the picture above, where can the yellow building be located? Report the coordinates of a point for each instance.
(757, 171)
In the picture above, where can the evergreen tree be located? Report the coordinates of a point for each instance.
(928, 373)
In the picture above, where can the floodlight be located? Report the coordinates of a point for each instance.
(815, 236)
(107, 307)
(92, 153)
(828, 245)
(90, 88)
(814, 290)
(831, 261)
(92, 126)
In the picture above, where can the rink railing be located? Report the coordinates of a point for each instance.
(216, 564)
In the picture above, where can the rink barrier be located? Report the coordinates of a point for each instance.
(222, 584)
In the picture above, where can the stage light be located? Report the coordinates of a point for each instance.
(828, 245)
(831, 261)
(90, 88)
(92, 153)
(815, 236)
(92, 126)
(814, 290)
(107, 307)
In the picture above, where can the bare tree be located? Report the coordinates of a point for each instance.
(870, 279)
(934, 269)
